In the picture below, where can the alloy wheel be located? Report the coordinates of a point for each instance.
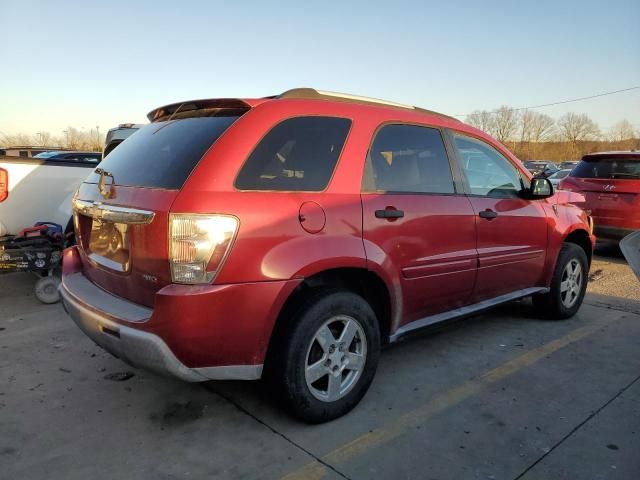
(571, 283)
(335, 358)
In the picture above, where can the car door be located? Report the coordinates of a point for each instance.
(511, 231)
(415, 222)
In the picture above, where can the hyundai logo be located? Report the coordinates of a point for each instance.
(609, 188)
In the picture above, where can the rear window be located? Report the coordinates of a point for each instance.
(298, 154)
(163, 154)
(619, 168)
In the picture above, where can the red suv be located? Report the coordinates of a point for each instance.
(289, 237)
(610, 182)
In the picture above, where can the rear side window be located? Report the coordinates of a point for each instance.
(163, 154)
(603, 167)
(408, 158)
(298, 154)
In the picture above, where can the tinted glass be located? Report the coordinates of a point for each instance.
(45, 155)
(85, 158)
(619, 168)
(298, 154)
(488, 172)
(408, 158)
(163, 154)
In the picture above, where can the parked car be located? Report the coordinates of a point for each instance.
(40, 188)
(117, 135)
(558, 176)
(570, 165)
(541, 167)
(289, 237)
(610, 182)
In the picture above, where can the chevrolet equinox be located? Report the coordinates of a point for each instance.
(289, 237)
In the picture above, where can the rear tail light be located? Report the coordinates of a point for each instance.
(198, 245)
(4, 184)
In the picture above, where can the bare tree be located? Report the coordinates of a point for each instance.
(482, 120)
(575, 128)
(525, 126)
(541, 129)
(18, 139)
(76, 139)
(623, 130)
(44, 138)
(506, 123)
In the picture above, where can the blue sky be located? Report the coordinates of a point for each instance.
(102, 63)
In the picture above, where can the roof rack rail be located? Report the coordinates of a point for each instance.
(313, 94)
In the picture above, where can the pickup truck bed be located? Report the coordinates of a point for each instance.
(39, 189)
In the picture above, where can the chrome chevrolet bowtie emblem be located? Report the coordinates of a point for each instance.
(102, 186)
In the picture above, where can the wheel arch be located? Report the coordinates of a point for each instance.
(581, 238)
(361, 281)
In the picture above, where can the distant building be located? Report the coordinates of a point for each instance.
(27, 151)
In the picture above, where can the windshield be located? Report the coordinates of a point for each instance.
(163, 154)
(603, 167)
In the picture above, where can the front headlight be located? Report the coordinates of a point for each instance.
(198, 245)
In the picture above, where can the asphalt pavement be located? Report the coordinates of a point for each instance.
(503, 395)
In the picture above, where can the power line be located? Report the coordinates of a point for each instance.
(563, 101)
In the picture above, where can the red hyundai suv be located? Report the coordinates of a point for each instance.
(610, 182)
(289, 237)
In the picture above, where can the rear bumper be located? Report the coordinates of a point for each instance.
(138, 348)
(194, 334)
(606, 232)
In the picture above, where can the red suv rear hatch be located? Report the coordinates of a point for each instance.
(611, 185)
(122, 209)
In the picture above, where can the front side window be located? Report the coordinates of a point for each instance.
(488, 172)
(408, 158)
(298, 154)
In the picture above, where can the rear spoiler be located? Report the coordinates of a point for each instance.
(190, 105)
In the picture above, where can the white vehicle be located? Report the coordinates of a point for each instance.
(557, 177)
(40, 189)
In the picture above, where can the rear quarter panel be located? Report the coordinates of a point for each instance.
(271, 243)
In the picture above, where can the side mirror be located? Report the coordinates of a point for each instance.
(540, 188)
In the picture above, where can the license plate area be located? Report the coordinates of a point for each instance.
(108, 244)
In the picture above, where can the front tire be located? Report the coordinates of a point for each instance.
(328, 356)
(568, 285)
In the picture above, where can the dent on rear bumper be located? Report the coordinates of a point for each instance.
(140, 348)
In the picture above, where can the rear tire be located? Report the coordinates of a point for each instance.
(568, 285)
(327, 355)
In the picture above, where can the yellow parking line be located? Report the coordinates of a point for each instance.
(410, 420)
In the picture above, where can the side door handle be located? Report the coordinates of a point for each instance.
(390, 213)
(488, 214)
